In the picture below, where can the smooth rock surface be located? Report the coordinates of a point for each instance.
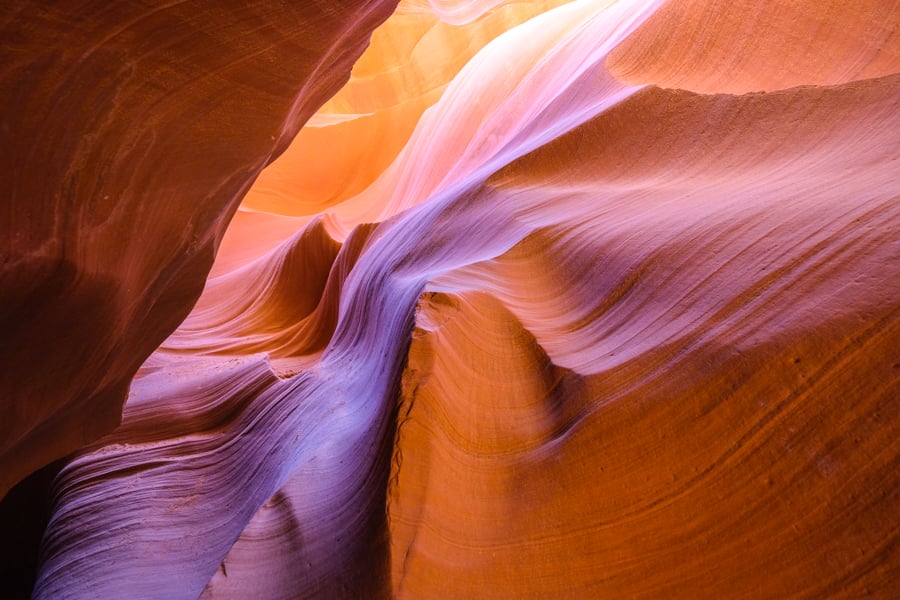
(130, 133)
(551, 299)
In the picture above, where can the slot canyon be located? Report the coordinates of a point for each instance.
(449, 299)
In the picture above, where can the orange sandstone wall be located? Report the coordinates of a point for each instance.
(129, 135)
(548, 299)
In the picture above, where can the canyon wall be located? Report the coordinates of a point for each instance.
(546, 299)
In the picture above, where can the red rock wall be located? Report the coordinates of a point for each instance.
(129, 135)
(586, 299)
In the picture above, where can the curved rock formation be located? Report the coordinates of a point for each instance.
(362, 129)
(751, 45)
(130, 134)
(551, 299)
(695, 396)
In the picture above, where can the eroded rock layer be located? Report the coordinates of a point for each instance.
(551, 299)
(129, 135)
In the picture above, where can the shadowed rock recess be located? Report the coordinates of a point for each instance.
(450, 299)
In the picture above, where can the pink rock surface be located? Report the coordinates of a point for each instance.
(129, 135)
(612, 313)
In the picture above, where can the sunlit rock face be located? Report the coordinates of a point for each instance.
(549, 299)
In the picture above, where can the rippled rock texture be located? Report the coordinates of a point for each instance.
(548, 299)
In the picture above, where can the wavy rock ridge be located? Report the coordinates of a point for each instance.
(551, 299)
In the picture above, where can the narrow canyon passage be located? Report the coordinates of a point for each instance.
(447, 299)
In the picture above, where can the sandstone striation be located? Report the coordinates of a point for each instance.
(548, 299)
